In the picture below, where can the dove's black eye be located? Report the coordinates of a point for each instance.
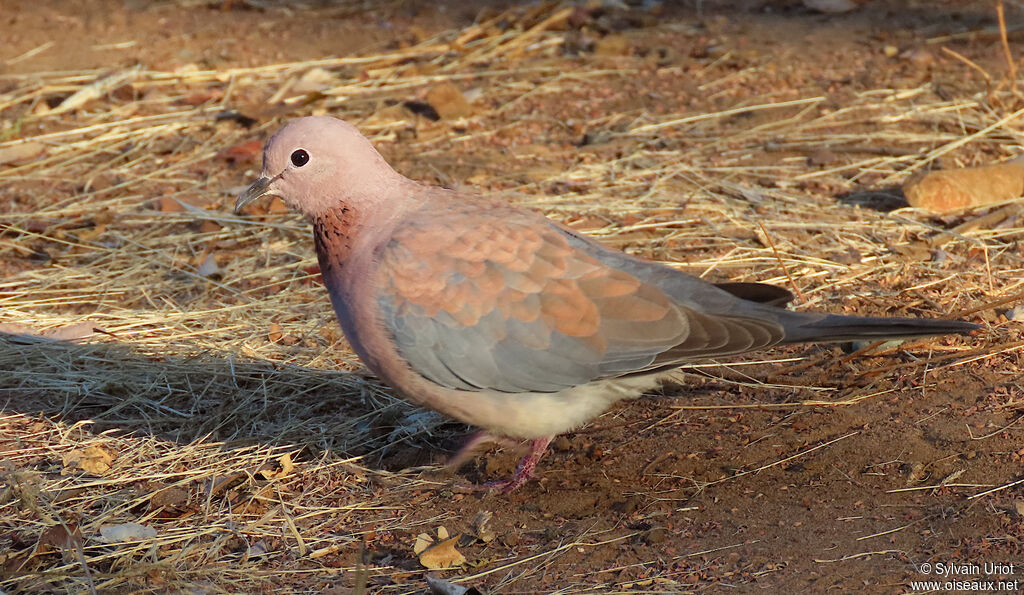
(300, 157)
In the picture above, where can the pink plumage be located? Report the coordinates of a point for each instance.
(501, 318)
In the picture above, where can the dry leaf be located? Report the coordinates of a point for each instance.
(92, 459)
(202, 97)
(88, 235)
(442, 555)
(68, 332)
(209, 267)
(953, 190)
(449, 102)
(391, 116)
(168, 497)
(286, 468)
(13, 562)
(315, 79)
(316, 277)
(126, 532)
(252, 504)
(243, 152)
(274, 334)
(438, 553)
(95, 90)
(64, 495)
(423, 541)
(21, 152)
(257, 550)
(442, 587)
(219, 485)
(481, 526)
(58, 538)
(209, 227)
(73, 332)
(613, 45)
(166, 204)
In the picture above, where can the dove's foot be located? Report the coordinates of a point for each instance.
(523, 474)
(524, 471)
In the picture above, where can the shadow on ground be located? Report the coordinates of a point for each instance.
(885, 199)
(215, 397)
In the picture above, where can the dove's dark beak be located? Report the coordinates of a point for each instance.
(259, 188)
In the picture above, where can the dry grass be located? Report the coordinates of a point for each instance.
(193, 394)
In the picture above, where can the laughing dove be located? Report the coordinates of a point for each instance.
(501, 318)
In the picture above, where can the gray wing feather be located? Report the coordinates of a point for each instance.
(530, 333)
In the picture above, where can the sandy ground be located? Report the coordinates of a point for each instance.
(747, 141)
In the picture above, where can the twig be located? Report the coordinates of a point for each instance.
(896, 530)
(722, 114)
(782, 265)
(968, 62)
(781, 461)
(1011, 66)
(857, 556)
(1002, 429)
(29, 54)
(994, 490)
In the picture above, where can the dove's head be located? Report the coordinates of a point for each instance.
(317, 163)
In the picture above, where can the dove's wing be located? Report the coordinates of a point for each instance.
(485, 301)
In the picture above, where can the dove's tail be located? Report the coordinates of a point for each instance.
(807, 328)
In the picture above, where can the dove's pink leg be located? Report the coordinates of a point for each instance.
(525, 469)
